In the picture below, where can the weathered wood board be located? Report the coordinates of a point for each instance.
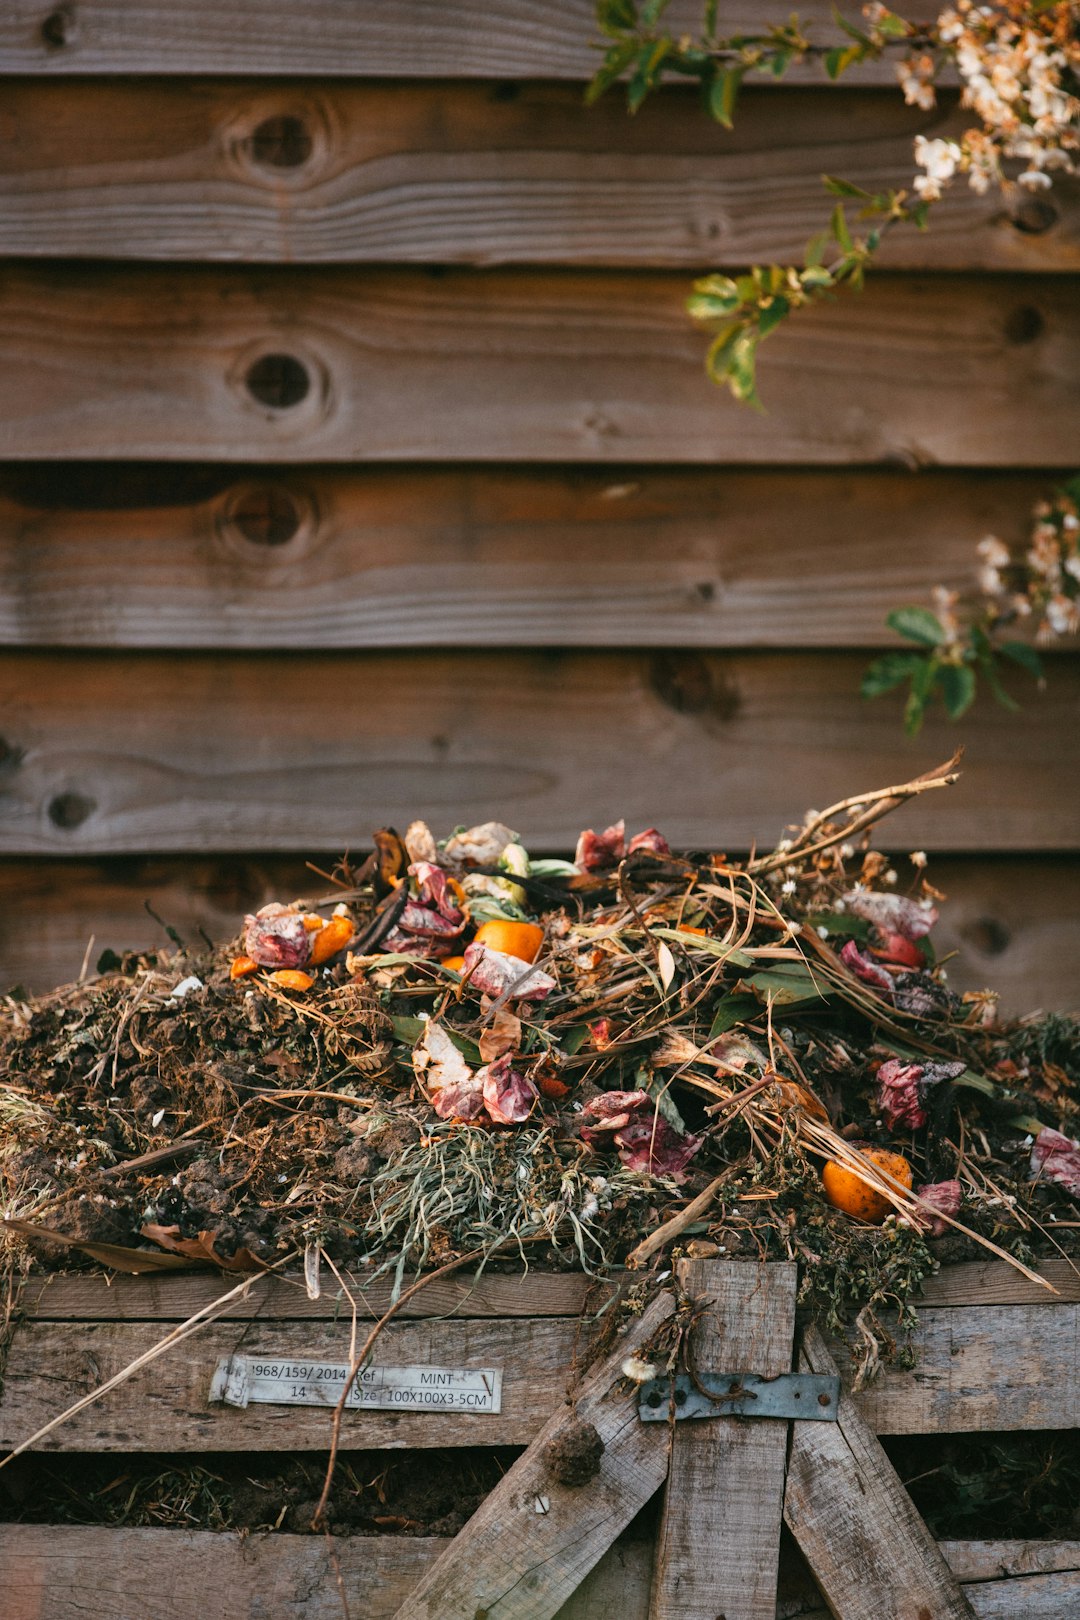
(109, 753)
(718, 1544)
(93, 1297)
(164, 1407)
(87, 1573)
(77, 1296)
(534, 1538)
(79, 1573)
(870, 1552)
(322, 558)
(462, 173)
(1015, 920)
(988, 1368)
(395, 38)
(230, 363)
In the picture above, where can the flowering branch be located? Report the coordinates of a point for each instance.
(971, 637)
(1019, 64)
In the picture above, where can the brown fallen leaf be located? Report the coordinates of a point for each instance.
(115, 1255)
(201, 1250)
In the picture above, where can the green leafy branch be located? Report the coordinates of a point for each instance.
(743, 310)
(954, 650)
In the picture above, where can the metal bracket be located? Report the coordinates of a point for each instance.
(711, 1395)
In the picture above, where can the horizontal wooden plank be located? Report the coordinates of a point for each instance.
(94, 1297)
(228, 363)
(462, 173)
(81, 1572)
(323, 557)
(1002, 1580)
(995, 1282)
(988, 1368)
(338, 38)
(146, 752)
(1015, 920)
(992, 1368)
(164, 1407)
(81, 1296)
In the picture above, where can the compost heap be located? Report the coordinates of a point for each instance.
(462, 1050)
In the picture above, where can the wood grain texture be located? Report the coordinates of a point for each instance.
(719, 1537)
(160, 556)
(79, 1296)
(93, 1297)
(868, 1549)
(113, 753)
(164, 1407)
(154, 361)
(395, 38)
(984, 1368)
(1034, 1597)
(85, 1573)
(974, 1561)
(462, 173)
(533, 1539)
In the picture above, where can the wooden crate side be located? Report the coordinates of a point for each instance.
(235, 364)
(160, 556)
(749, 739)
(719, 1540)
(455, 173)
(982, 1368)
(165, 1406)
(78, 1573)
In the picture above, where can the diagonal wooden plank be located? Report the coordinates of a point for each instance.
(870, 1552)
(720, 1533)
(535, 1539)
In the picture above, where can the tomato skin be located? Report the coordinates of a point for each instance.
(519, 939)
(456, 963)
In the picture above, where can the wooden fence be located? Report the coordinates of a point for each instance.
(358, 463)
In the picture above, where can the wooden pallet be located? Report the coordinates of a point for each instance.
(995, 1352)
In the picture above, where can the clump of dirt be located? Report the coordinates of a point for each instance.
(573, 1456)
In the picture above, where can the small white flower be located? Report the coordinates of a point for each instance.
(789, 886)
(1034, 180)
(918, 858)
(822, 931)
(890, 876)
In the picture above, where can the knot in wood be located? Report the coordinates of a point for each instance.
(573, 1456)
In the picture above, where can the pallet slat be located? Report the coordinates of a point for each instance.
(81, 1573)
(983, 1367)
(719, 1541)
(164, 1407)
(232, 364)
(115, 753)
(462, 174)
(396, 38)
(95, 1297)
(1015, 920)
(322, 558)
(991, 1368)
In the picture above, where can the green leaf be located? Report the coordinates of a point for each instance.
(574, 1039)
(917, 624)
(787, 987)
(704, 942)
(660, 1092)
(849, 28)
(842, 923)
(839, 227)
(616, 17)
(1025, 656)
(887, 672)
(993, 681)
(841, 57)
(815, 277)
(842, 188)
(550, 866)
(616, 61)
(711, 9)
(731, 1010)
(772, 314)
(892, 26)
(956, 683)
(723, 94)
(652, 11)
(914, 712)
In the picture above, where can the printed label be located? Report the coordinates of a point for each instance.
(288, 1381)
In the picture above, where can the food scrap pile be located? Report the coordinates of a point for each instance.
(463, 1050)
